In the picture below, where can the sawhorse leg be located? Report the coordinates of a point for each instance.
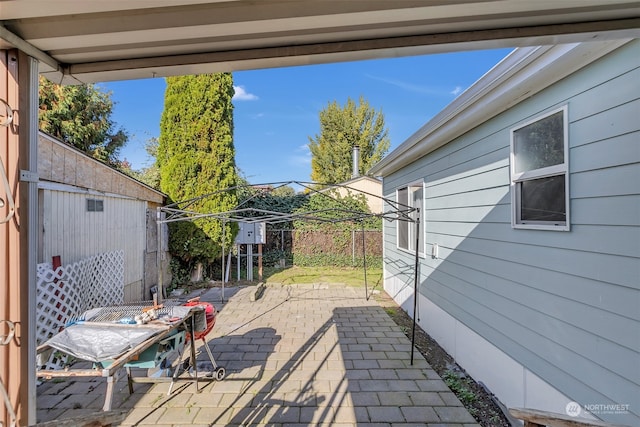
(112, 379)
(108, 398)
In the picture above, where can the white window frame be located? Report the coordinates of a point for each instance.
(412, 225)
(517, 178)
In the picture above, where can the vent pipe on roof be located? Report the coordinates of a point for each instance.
(356, 162)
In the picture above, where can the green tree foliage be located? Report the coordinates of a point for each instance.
(150, 175)
(196, 157)
(342, 128)
(81, 116)
(282, 199)
(329, 242)
(284, 191)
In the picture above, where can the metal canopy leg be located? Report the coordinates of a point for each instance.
(364, 264)
(415, 284)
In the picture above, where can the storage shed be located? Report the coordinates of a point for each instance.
(88, 208)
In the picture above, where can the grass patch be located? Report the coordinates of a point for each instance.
(462, 387)
(349, 276)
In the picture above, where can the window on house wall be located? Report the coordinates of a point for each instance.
(540, 173)
(413, 196)
(95, 205)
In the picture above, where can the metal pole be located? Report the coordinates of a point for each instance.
(159, 287)
(28, 90)
(227, 273)
(224, 229)
(353, 247)
(260, 262)
(415, 284)
(249, 262)
(238, 263)
(364, 263)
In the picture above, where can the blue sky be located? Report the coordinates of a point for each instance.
(277, 110)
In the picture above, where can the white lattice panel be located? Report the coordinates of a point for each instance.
(65, 293)
(106, 271)
(58, 300)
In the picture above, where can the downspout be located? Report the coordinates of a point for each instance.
(29, 177)
(160, 285)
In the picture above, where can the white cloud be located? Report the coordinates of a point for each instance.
(242, 95)
(456, 91)
(301, 156)
(410, 87)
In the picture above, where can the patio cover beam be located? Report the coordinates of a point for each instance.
(317, 53)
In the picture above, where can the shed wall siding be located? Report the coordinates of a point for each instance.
(72, 232)
(565, 305)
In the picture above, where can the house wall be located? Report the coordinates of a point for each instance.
(541, 317)
(369, 187)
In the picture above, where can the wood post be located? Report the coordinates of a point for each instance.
(259, 262)
(18, 146)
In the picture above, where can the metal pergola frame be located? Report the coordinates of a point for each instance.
(392, 211)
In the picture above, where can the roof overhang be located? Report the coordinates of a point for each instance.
(523, 73)
(93, 41)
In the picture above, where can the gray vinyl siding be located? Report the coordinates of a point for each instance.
(565, 304)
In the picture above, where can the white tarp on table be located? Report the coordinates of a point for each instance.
(97, 342)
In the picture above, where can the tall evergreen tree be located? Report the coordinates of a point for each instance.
(81, 116)
(342, 128)
(196, 155)
(150, 174)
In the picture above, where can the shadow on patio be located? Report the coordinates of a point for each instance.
(300, 355)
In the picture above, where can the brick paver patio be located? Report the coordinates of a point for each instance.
(301, 355)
